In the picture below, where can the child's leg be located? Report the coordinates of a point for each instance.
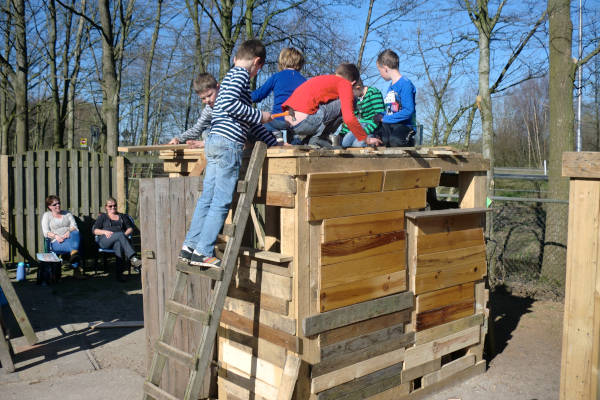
(228, 158)
(203, 204)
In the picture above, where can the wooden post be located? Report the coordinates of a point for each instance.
(472, 189)
(4, 210)
(580, 360)
(121, 183)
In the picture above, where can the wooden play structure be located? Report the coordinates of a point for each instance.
(348, 288)
(580, 360)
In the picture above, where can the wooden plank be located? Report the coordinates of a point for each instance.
(472, 189)
(289, 377)
(85, 184)
(248, 326)
(265, 255)
(315, 233)
(105, 173)
(444, 241)
(32, 224)
(74, 182)
(324, 207)
(257, 387)
(4, 207)
(362, 225)
(63, 177)
(262, 300)
(16, 307)
(451, 212)
(354, 270)
(448, 329)
(366, 386)
(158, 147)
(19, 187)
(420, 370)
(251, 311)
(236, 391)
(362, 290)
(582, 164)
(363, 328)
(440, 298)
(393, 393)
(448, 259)
(95, 196)
(447, 370)
(437, 348)
(424, 393)
(333, 353)
(580, 345)
(355, 313)
(366, 246)
(52, 172)
(442, 315)
(198, 167)
(258, 347)
(121, 183)
(265, 282)
(446, 277)
(360, 369)
(40, 195)
(453, 223)
(325, 184)
(411, 178)
(5, 357)
(117, 324)
(249, 364)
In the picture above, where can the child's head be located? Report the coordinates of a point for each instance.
(348, 72)
(358, 88)
(206, 86)
(290, 58)
(251, 55)
(387, 61)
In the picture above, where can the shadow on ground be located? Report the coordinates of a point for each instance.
(505, 312)
(64, 312)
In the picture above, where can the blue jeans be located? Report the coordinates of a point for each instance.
(349, 140)
(69, 244)
(322, 123)
(223, 161)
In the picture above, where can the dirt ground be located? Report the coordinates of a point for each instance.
(73, 361)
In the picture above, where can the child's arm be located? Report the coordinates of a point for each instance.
(195, 132)
(347, 106)
(229, 98)
(262, 92)
(260, 133)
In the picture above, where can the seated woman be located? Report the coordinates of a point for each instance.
(111, 230)
(60, 227)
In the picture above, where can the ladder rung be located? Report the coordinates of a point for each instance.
(174, 353)
(188, 312)
(228, 230)
(214, 273)
(157, 392)
(242, 186)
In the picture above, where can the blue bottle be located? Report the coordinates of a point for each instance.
(21, 271)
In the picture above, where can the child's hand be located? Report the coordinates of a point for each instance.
(174, 141)
(266, 117)
(195, 144)
(373, 141)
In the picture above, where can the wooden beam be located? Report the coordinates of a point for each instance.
(326, 184)
(446, 213)
(582, 164)
(362, 225)
(17, 307)
(289, 377)
(4, 208)
(355, 313)
(158, 147)
(411, 178)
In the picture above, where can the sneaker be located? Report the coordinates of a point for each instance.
(186, 254)
(136, 262)
(196, 259)
(212, 262)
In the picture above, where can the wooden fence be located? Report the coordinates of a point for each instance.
(83, 180)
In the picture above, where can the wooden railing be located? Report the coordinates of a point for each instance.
(83, 180)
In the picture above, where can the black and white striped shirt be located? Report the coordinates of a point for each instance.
(233, 115)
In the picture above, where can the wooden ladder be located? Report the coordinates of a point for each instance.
(20, 316)
(198, 362)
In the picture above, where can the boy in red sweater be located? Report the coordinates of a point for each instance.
(320, 104)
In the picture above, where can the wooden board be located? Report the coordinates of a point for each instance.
(363, 328)
(450, 223)
(420, 370)
(448, 329)
(440, 298)
(271, 284)
(159, 147)
(355, 313)
(271, 267)
(445, 314)
(429, 351)
(447, 370)
(582, 164)
(249, 364)
(324, 207)
(365, 246)
(362, 225)
(262, 300)
(453, 240)
(446, 277)
(411, 178)
(362, 268)
(234, 389)
(361, 290)
(449, 259)
(256, 346)
(324, 184)
(242, 380)
(289, 377)
(253, 312)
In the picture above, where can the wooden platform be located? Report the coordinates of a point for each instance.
(376, 301)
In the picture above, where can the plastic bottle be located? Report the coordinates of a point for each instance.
(21, 271)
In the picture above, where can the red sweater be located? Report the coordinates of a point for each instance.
(322, 89)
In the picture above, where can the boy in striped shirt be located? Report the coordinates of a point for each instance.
(369, 109)
(233, 118)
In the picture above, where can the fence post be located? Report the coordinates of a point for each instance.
(4, 210)
(121, 184)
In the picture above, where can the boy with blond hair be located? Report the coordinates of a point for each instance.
(399, 119)
(233, 119)
(207, 88)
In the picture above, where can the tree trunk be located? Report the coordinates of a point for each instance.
(20, 85)
(485, 107)
(110, 86)
(562, 76)
(366, 31)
